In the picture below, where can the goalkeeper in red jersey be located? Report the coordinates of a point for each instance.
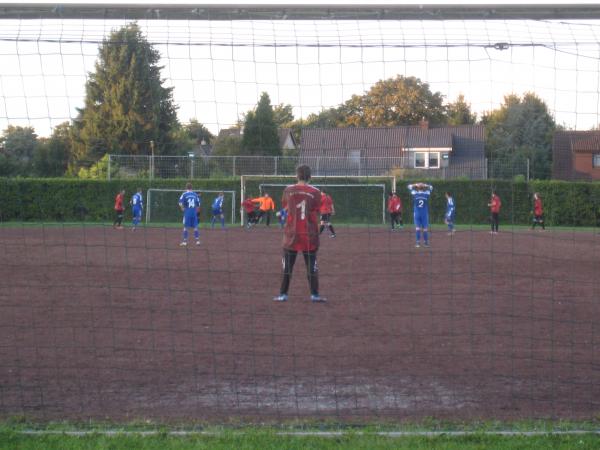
(538, 212)
(249, 207)
(394, 207)
(301, 233)
(327, 210)
(119, 210)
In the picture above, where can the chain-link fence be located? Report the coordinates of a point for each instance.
(127, 166)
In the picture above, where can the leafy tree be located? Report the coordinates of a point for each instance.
(328, 118)
(459, 112)
(394, 102)
(8, 166)
(98, 171)
(283, 115)
(198, 132)
(126, 105)
(189, 136)
(228, 145)
(260, 135)
(53, 155)
(19, 145)
(521, 129)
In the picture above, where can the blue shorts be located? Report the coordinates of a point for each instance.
(450, 217)
(190, 220)
(421, 219)
(217, 212)
(137, 212)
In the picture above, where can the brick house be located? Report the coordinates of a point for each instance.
(432, 152)
(576, 155)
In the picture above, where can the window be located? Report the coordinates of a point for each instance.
(427, 160)
(420, 160)
(434, 160)
(596, 160)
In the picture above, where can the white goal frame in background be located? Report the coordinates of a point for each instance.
(318, 185)
(198, 191)
(315, 181)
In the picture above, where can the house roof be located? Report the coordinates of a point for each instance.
(284, 133)
(226, 132)
(578, 141)
(384, 141)
(567, 143)
(586, 144)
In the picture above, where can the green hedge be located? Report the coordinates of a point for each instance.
(51, 200)
(565, 203)
(70, 200)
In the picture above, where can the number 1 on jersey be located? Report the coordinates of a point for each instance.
(302, 206)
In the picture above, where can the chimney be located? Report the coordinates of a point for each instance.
(424, 124)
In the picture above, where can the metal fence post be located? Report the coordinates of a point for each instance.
(151, 160)
(233, 165)
(486, 169)
(276, 159)
(527, 169)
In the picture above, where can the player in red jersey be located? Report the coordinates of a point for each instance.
(119, 209)
(327, 210)
(495, 204)
(394, 207)
(301, 233)
(249, 207)
(538, 211)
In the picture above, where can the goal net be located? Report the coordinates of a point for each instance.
(496, 318)
(353, 203)
(357, 200)
(163, 206)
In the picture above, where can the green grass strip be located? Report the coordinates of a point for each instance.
(271, 439)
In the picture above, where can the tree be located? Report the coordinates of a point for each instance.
(19, 145)
(8, 166)
(394, 102)
(53, 155)
(198, 132)
(283, 115)
(260, 135)
(521, 129)
(98, 170)
(191, 135)
(227, 145)
(126, 105)
(459, 112)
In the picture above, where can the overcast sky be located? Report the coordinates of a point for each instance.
(219, 69)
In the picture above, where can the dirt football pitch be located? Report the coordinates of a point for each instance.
(114, 324)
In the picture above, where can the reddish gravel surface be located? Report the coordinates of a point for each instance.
(100, 323)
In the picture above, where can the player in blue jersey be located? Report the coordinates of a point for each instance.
(189, 202)
(420, 193)
(450, 213)
(281, 217)
(137, 206)
(217, 210)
